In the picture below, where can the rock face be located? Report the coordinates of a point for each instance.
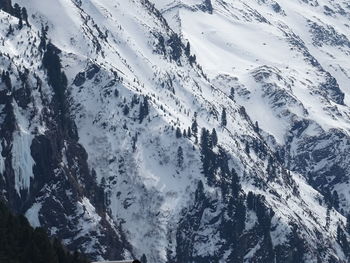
(183, 131)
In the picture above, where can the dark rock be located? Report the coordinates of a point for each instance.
(79, 79)
(92, 71)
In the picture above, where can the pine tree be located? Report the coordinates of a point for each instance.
(297, 245)
(19, 242)
(25, 15)
(192, 59)
(194, 129)
(205, 153)
(116, 93)
(144, 109)
(247, 149)
(175, 44)
(178, 133)
(343, 241)
(180, 157)
(348, 224)
(251, 201)
(263, 214)
(60, 252)
(188, 50)
(126, 109)
(223, 118)
(17, 11)
(335, 199)
(43, 38)
(10, 31)
(240, 216)
(143, 259)
(214, 138)
(58, 81)
(328, 217)
(134, 101)
(5, 78)
(189, 133)
(42, 243)
(20, 23)
(208, 6)
(256, 127)
(145, 105)
(232, 94)
(133, 142)
(6, 6)
(204, 142)
(235, 185)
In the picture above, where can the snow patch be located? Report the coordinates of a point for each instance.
(32, 214)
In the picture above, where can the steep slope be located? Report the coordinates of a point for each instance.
(96, 97)
(21, 243)
(285, 60)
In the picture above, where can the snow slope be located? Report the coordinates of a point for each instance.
(286, 61)
(113, 187)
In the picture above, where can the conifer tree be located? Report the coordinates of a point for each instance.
(143, 259)
(178, 133)
(223, 118)
(180, 157)
(126, 109)
(256, 127)
(5, 78)
(20, 23)
(43, 38)
(194, 129)
(247, 148)
(208, 6)
(145, 105)
(58, 81)
(204, 142)
(25, 15)
(134, 101)
(328, 217)
(214, 138)
(250, 201)
(335, 199)
(188, 50)
(189, 133)
(205, 152)
(240, 216)
(10, 31)
(297, 244)
(19, 242)
(17, 11)
(192, 59)
(348, 223)
(144, 109)
(116, 93)
(232, 94)
(235, 184)
(6, 5)
(343, 241)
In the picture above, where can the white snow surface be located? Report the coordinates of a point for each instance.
(32, 215)
(22, 161)
(145, 188)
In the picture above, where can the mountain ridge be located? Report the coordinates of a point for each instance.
(107, 93)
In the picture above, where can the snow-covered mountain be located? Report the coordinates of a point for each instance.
(185, 130)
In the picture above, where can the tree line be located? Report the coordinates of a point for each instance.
(19, 242)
